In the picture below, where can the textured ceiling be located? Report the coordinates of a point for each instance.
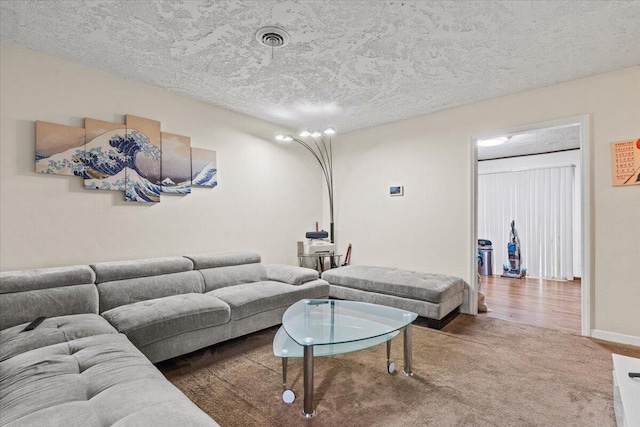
(537, 142)
(350, 64)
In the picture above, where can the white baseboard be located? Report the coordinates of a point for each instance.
(612, 336)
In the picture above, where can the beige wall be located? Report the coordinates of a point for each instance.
(267, 198)
(428, 229)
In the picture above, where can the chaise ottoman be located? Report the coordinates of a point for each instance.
(436, 297)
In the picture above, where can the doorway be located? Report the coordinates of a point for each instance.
(538, 176)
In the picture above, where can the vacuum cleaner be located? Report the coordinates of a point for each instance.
(513, 269)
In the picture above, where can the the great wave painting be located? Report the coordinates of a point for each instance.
(176, 163)
(104, 163)
(142, 173)
(135, 158)
(204, 167)
(59, 149)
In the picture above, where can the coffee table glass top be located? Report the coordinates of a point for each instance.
(320, 321)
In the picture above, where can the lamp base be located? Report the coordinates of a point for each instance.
(331, 236)
(331, 233)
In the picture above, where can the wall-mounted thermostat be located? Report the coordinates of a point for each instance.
(396, 190)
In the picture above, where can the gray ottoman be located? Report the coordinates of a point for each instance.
(436, 297)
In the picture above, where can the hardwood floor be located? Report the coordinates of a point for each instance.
(551, 304)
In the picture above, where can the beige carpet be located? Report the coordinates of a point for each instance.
(477, 371)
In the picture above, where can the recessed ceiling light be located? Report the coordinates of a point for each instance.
(492, 142)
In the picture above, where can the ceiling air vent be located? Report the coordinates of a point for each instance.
(272, 37)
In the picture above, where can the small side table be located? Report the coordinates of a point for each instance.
(319, 260)
(626, 390)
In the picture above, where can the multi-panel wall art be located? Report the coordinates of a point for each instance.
(136, 158)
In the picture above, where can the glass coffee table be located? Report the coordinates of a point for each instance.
(321, 327)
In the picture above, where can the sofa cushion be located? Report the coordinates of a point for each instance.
(153, 320)
(101, 380)
(45, 278)
(120, 270)
(224, 259)
(122, 292)
(393, 281)
(28, 294)
(53, 330)
(290, 274)
(252, 298)
(23, 307)
(220, 277)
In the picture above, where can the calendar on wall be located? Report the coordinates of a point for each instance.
(625, 162)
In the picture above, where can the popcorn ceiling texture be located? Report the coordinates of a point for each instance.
(350, 64)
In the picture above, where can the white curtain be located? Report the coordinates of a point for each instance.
(541, 203)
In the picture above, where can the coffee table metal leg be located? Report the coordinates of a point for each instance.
(408, 369)
(391, 366)
(308, 410)
(288, 396)
(284, 372)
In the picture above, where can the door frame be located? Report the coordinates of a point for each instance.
(583, 121)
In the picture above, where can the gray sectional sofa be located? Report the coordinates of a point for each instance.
(90, 363)
(172, 306)
(85, 365)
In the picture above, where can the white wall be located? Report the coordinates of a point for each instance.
(563, 158)
(267, 198)
(429, 228)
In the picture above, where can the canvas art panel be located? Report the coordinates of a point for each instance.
(176, 164)
(59, 149)
(135, 158)
(105, 157)
(204, 168)
(142, 172)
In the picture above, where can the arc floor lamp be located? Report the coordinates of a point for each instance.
(319, 145)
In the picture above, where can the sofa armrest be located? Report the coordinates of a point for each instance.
(290, 274)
